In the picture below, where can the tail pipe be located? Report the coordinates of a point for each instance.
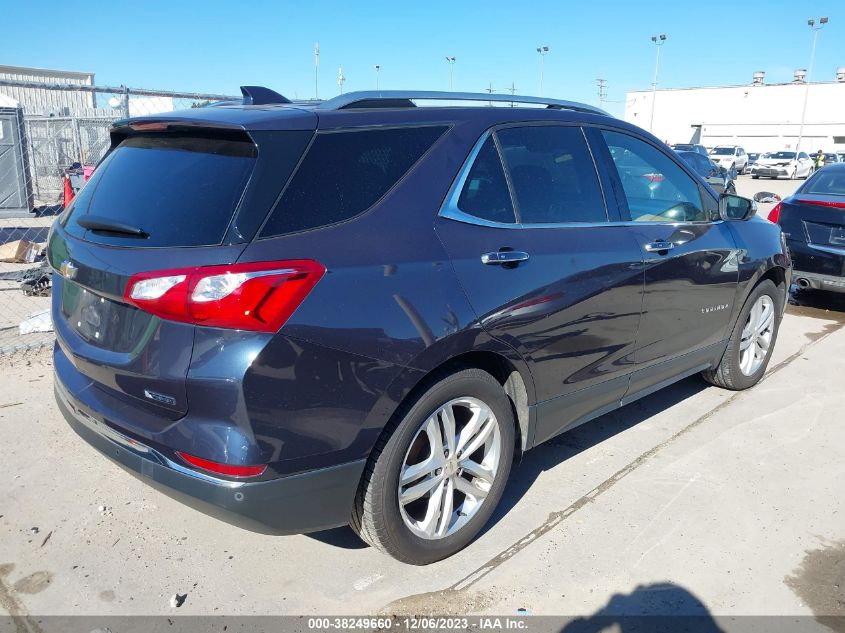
(802, 283)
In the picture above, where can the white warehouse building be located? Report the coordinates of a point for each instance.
(759, 117)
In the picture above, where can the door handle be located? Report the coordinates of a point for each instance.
(659, 245)
(497, 258)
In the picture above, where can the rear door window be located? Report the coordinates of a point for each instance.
(656, 188)
(182, 190)
(345, 173)
(553, 176)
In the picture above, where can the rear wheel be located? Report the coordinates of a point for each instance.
(432, 484)
(752, 340)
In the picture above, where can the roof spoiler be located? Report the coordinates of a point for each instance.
(259, 95)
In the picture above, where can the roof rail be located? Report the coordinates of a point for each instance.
(259, 95)
(403, 98)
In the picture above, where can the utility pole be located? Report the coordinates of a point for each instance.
(602, 89)
(512, 90)
(815, 29)
(378, 69)
(451, 61)
(489, 90)
(317, 70)
(543, 50)
(340, 78)
(658, 41)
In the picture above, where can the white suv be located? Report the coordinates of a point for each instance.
(728, 156)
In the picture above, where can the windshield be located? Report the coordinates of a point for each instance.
(781, 155)
(723, 151)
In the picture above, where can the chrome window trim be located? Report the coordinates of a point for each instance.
(450, 210)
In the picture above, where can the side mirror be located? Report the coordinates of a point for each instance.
(733, 208)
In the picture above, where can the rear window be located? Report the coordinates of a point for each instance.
(182, 190)
(345, 173)
(829, 182)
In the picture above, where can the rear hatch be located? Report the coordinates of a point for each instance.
(817, 220)
(167, 196)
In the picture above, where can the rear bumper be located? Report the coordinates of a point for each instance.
(817, 266)
(817, 281)
(306, 502)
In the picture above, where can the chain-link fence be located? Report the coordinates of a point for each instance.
(51, 138)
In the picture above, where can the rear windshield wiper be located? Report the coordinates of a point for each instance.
(101, 223)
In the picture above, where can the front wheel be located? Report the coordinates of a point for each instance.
(433, 482)
(752, 340)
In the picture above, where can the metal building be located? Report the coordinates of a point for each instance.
(15, 192)
(41, 102)
(758, 116)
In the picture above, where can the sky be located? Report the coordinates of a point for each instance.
(216, 46)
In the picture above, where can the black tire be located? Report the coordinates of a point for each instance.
(376, 514)
(755, 176)
(728, 374)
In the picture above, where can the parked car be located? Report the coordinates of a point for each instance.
(296, 317)
(831, 158)
(752, 159)
(722, 180)
(777, 164)
(728, 156)
(813, 222)
(690, 147)
(841, 156)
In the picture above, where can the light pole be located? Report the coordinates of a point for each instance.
(602, 86)
(451, 61)
(543, 50)
(316, 70)
(815, 29)
(340, 78)
(658, 41)
(378, 68)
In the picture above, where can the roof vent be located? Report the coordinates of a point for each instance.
(840, 74)
(799, 76)
(758, 78)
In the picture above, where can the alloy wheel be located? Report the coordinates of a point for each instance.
(757, 335)
(449, 468)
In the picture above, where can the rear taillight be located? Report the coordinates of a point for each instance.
(774, 214)
(230, 470)
(257, 296)
(821, 203)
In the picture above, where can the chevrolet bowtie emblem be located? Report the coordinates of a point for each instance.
(68, 269)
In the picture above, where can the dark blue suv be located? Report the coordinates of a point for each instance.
(298, 316)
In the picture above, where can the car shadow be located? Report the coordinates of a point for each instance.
(555, 451)
(569, 444)
(656, 608)
(815, 299)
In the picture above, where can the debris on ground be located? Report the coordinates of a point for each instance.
(178, 600)
(33, 530)
(37, 322)
(46, 538)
